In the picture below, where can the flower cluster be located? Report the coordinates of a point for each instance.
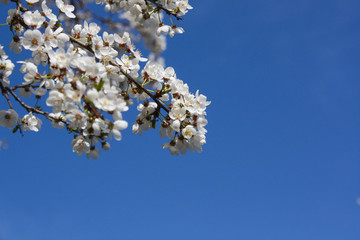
(6, 68)
(147, 18)
(184, 124)
(92, 77)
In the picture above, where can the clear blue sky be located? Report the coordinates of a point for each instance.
(282, 160)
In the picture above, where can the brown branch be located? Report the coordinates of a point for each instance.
(35, 110)
(83, 45)
(23, 86)
(19, 5)
(4, 93)
(160, 6)
(141, 87)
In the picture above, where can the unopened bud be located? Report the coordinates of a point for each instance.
(105, 146)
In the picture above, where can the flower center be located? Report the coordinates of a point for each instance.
(34, 42)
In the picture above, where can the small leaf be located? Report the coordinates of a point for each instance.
(16, 128)
(100, 85)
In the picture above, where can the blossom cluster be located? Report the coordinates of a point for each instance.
(184, 124)
(147, 18)
(6, 67)
(10, 117)
(89, 78)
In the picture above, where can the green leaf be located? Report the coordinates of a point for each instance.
(16, 128)
(100, 85)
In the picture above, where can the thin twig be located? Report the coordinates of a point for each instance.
(141, 87)
(160, 6)
(4, 93)
(35, 110)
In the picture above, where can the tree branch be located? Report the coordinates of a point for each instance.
(160, 6)
(4, 93)
(32, 109)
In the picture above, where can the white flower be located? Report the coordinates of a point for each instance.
(188, 131)
(48, 13)
(175, 125)
(67, 9)
(177, 113)
(6, 67)
(136, 129)
(11, 14)
(8, 118)
(55, 39)
(147, 108)
(34, 19)
(165, 129)
(32, 40)
(90, 29)
(197, 141)
(2, 52)
(108, 38)
(183, 6)
(163, 29)
(170, 4)
(113, 72)
(25, 92)
(40, 56)
(154, 70)
(200, 103)
(57, 123)
(124, 40)
(39, 91)
(137, 55)
(105, 103)
(78, 119)
(94, 153)
(118, 125)
(74, 94)
(31, 71)
(127, 63)
(175, 29)
(56, 100)
(172, 148)
(31, 123)
(60, 58)
(80, 145)
(16, 44)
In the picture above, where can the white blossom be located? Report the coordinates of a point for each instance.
(65, 8)
(90, 77)
(34, 19)
(32, 40)
(8, 118)
(80, 145)
(48, 13)
(31, 123)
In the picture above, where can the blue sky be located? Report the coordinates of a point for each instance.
(282, 155)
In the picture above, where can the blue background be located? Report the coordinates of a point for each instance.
(282, 155)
